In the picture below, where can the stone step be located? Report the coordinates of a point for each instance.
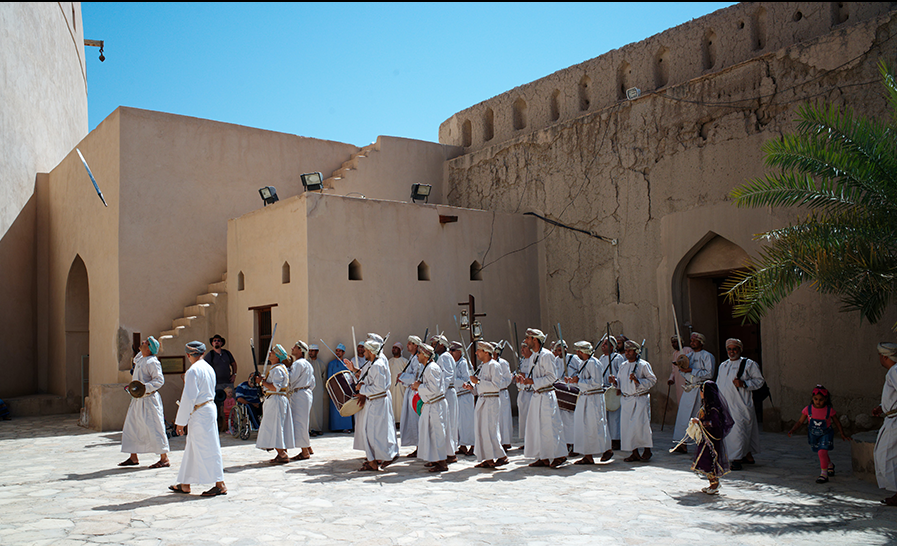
(207, 298)
(218, 287)
(184, 321)
(198, 310)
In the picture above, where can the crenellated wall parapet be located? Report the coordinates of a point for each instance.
(701, 47)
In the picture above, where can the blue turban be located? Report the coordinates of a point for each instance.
(196, 348)
(340, 347)
(153, 345)
(280, 352)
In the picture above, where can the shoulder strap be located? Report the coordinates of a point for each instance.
(741, 369)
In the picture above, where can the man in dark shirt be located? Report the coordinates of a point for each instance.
(222, 361)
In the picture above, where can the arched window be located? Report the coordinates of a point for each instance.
(354, 271)
(708, 49)
(555, 105)
(488, 125)
(624, 79)
(758, 29)
(476, 271)
(661, 68)
(519, 114)
(240, 281)
(423, 271)
(466, 138)
(285, 273)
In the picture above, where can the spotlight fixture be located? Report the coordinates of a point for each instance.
(269, 195)
(421, 192)
(633, 93)
(312, 181)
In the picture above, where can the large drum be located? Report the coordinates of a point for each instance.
(611, 399)
(567, 395)
(341, 388)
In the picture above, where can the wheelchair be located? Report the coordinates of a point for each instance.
(242, 421)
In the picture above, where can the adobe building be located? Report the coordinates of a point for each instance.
(573, 199)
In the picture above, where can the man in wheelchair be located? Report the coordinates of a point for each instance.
(249, 402)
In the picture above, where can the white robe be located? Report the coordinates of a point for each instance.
(432, 429)
(302, 384)
(524, 396)
(690, 403)
(635, 407)
(744, 437)
(487, 433)
(885, 454)
(202, 462)
(397, 389)
(675, 376)
(144, 428)
(466, 413)
(590, 433)
(544, 428)
(571, 368)
(447, 363)
(318, 416)
(409, 419)
(376, 427)
(506, 423)
(613, 417)
(276, 429)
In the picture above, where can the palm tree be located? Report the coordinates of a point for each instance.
(842, 167)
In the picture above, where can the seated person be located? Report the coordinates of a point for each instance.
(247, 393)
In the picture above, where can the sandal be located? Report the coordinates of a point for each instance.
(831, 470)
(178, 488)
(300, 457)
(821, 479)
(214, 492)
(129, 462)
(632, 458)
(389, 462)
(278, 460)
(608, 455)
(160, 464)
(501, 462)
(890, 501)
(485, 464)
(439, 468)
(646, 457)
(369, 465)
(713, 489)
(585, 460)
(539, 462)
(558, 462)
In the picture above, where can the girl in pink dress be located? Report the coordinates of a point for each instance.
(820, 416)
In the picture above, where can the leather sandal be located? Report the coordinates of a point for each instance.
(160, 464)
(608, 455)
(485, 464)
(539, 462)
(558, 462)
(585, 460)
(178, 488)
(128, 462)
(214, 492)
(501, 462)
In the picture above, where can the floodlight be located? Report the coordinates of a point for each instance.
(269, 195)
(633, 93)
(312, 181)
(421, 192)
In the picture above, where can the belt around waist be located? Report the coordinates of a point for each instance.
(267, 394)
(488, 395)
(543, 390)
(291, 391)
(628, 395)
(462, 392)
(197, 406)
(378, 395)
(434, 400)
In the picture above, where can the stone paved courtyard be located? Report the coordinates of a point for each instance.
(59, 484)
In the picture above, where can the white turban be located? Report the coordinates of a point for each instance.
(424, 348)
(533, 332)
(632, 345)
(699, 337)
(486, 346)
(373, 346)
(302, 345)
(888, 349)
(583, 346)
(735, 341)
(441, 340)
(415, 340)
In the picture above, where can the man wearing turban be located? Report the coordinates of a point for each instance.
(276, 429)
(144, 429)
(886, 444)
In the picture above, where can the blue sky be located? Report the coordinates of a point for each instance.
(346, 72)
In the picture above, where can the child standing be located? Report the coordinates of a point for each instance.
(228, 405)
(819, 416)
(715, 422)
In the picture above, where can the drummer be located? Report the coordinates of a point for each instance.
(567, 366)
(590, 433)
(338, 423)
(376, 425)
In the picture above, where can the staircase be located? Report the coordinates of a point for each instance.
(207, 317)
(351, 164)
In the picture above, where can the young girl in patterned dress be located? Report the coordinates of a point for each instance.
(820, 416)
(715, 422)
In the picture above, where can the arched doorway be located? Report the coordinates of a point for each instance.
(77, 333)
(706, 310)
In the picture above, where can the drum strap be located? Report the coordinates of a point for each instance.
(545, 389)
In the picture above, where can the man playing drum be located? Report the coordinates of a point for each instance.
(276, 429)
(144, 429)
(376, 425)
